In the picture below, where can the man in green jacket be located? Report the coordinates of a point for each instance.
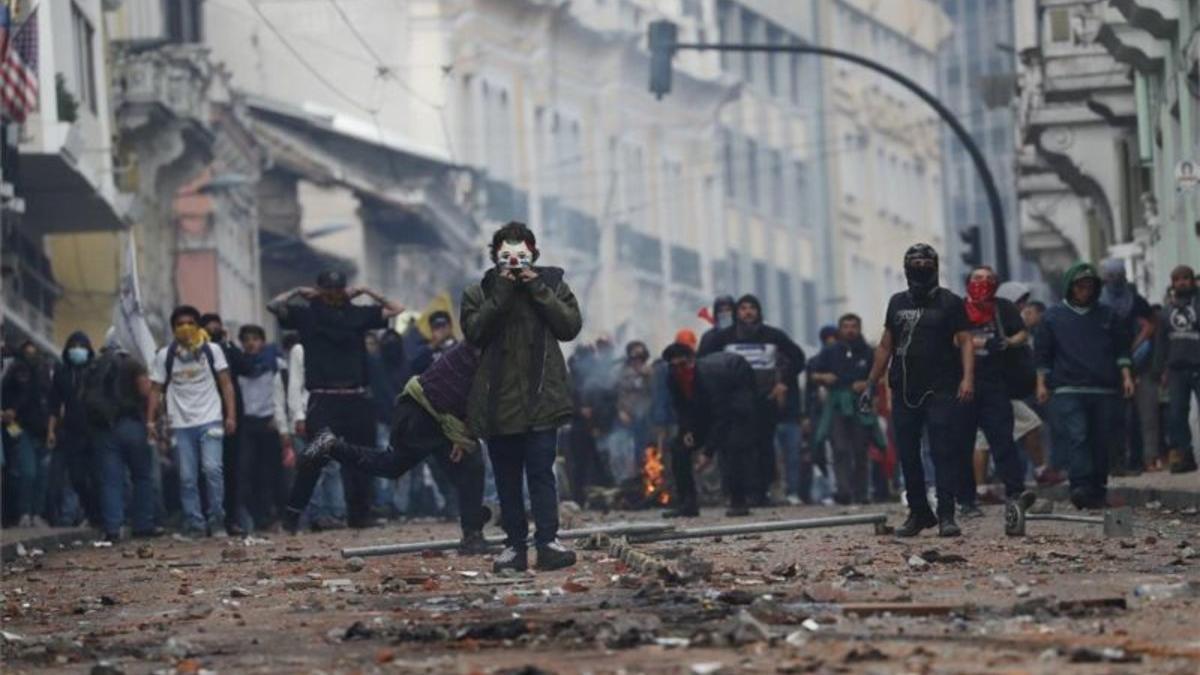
(517, 315)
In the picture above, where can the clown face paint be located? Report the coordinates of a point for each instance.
(514, 255)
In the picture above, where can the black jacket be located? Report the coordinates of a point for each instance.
(66, 387)
(789, 357)
(723, 398)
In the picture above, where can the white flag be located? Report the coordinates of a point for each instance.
(129, 326)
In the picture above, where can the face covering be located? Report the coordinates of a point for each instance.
(686, 376)
(724, 319)
(190, 337)
(514, 255)
(217, 335)
(77, 355)
(923, 279)
(981, 301)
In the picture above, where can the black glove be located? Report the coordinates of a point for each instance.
(866, 401)
(996, 344)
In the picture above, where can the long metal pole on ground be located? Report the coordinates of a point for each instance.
(1091, 520)
(641, 532)
(616, 529)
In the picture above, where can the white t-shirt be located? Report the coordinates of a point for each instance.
(193, 397)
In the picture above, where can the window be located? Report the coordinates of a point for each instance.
(749, 26)
(727, 163)
(761, 280)
(85, 66)
(808, 305)
(776, 189)
(787, 316)
(774, 37)
(185, 20)
(752, 173)
(1058, 24)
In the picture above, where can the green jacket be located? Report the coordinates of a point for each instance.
(522, 382)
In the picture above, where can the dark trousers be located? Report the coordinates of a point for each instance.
(526, 458)
(585, 466)
(261, 457)
(991, 411)
(415, 437)
(120, 449)
(733, 441)
(681, 472)
(1182, 385)
(762, 449)
(71, 462)
(1083, 427)
(851, 441)
(231, 475)
(936, 415)
(351, 417)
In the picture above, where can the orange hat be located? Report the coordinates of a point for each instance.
(686, 337)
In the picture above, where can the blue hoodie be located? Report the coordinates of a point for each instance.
(1082, 350)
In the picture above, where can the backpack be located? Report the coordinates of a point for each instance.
(99, 396)
(169, 366)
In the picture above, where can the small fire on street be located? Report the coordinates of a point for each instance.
(653, 477)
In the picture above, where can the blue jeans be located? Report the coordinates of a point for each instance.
(518, 458)
(1182, 385)
(788, 438)
(201, 448)
(30, 470)
(125, 446)
(328, 498)
(1083, 427)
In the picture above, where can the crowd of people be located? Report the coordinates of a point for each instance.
(346, 421)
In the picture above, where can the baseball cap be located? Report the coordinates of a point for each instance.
(331, 280)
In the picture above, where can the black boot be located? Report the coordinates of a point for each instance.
(917, 521)
(947, 527)
(473, 543)
(554, 556)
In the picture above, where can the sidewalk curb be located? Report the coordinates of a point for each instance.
(48, 543)
(1135, 496)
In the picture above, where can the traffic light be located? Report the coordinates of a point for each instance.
(972, 246)
(663, 37)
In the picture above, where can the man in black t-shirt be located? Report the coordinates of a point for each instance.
(333, 332)
(1137, 425)
(925, 339)
(995, 326)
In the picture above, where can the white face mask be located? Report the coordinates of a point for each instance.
(514, 255)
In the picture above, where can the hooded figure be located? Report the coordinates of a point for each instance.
(777, 362)
(1082, 353)
(66, 404)
(723, 317)
(68, 433)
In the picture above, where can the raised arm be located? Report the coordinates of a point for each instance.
(278, 305)
(481, 316)
(391, 308)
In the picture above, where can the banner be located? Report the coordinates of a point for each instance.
(129, 327)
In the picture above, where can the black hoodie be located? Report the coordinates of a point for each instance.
(66, 390)
(770, 352)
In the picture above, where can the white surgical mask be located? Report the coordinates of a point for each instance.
(77, 355)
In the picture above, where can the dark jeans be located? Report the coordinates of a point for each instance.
(72, 461)
(936, 413)
(585, 465)
(351, 417)
(851, 441)
(733, 443)
(762, 457)
(527, 457)
(1182, 385)
(1083, 426)
(681, 471)
(991, 411)
(123, 447)
(415, 437)
(260, 473)
(232, 474)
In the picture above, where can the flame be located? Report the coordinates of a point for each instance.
(653, 477)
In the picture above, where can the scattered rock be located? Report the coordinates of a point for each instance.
(1023, 591)
(864, 654)
(747, 630)
(507, 629)
(1003, 581)
(736, 596)
(916, 562)
(106, 668)
(1105, 655)
(198, 610)
(1182, 589)
(572, 586)
(145, 552)
(356, 564)
(234, 554)
(239, 592)
(301, 583)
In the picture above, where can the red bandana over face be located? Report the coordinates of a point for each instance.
(981, 301)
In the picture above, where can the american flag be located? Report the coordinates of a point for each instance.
(18, 65)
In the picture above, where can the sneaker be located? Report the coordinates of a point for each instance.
(948, 528)
(473, 543)
(681, 512)
(793, 500)
(319, 448)
(1182, 462)
(511, 559)
(219, 533)
(916, 522)
(554, 556)
(737, 511)
(970, 512)
(25, 521)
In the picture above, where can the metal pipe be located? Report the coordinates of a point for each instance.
(764, 526)
(1092, 520)
(629, 529)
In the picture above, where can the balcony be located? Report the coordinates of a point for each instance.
(642, 251)
(1129, 44)
(30, 291)
(1160, 18)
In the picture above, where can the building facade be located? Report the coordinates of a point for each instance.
(976, 77)
(1107, 128)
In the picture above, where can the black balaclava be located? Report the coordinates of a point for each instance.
(921, 280)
